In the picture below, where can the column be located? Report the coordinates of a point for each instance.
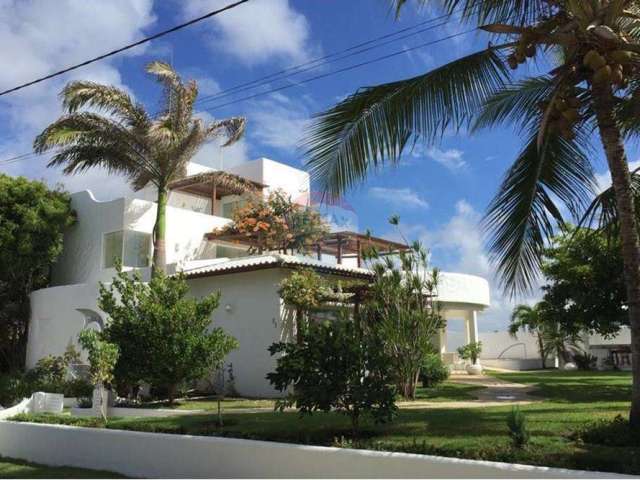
(471, 324)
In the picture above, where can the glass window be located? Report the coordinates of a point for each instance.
(112, 249)
(137, 249)
(132, 249)
(188, 201)
(224, 251)
(230, 204)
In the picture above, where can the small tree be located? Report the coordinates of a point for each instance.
(470, 351)
(401, 308)
(277, 223)
(335, 368)
(102, 360)
(165, 339)
(532, 320)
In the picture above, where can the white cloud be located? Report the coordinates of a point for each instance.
(603, 179)
(401, 197)
(40, 37)
(450, 158)
(257, 31)
(278, 121)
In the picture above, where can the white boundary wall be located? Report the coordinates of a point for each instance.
(157, 455)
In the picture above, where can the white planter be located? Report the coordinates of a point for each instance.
(475, 369)
(570, 366)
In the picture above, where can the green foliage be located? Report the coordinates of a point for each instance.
(49, 375)
(584, 360)
(470, 351)
(77, 388)
(335, 368)
(33, 219)
(518, 429)
(102, 356)
(433, 371)
(585, 287)
(616, 431)
(163, 336)
(304, 289)
(400, 309)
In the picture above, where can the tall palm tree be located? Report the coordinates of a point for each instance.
(593, 84)
(124, 138)
(529, 319)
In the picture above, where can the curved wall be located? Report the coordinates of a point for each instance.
(460, 288)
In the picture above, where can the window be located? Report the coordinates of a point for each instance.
(112, 247)
(131, 248)
(230, 203)
(195, 203)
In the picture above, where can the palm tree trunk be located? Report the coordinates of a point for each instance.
(159, 230)
(621, 179)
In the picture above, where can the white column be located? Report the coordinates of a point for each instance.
(471, 324)
(443, 340)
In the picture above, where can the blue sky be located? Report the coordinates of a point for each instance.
(439, 190)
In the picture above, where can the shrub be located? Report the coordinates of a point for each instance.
(335, 368)
(616, 432)
(518, 430)
(433, 371)
(77, 388)
(585, 361)
(470, 351)
(13, 388)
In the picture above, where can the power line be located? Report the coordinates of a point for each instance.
(126, 47)
(341, 70)
(334, 54)
(223, 94)
(301, 82)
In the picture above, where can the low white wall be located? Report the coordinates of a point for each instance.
(23, 407)
(138, 454)
(134, 412)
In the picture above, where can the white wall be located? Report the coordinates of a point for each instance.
(254, 318)
(82, 257)
(276, 175)
(55, 321)
(156, 455)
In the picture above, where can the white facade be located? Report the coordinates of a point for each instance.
(250, 309)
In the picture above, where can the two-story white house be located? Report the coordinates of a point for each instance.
(251, 309)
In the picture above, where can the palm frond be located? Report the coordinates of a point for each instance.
(603, 213)
(107, 98)
(520, 218)
(232, 128)
(374, 124)
(80, 158)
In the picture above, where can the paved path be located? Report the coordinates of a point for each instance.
(495, 393)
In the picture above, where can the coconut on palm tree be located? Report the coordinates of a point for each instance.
(124, 138)
(593, 84)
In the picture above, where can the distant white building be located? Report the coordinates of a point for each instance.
(251, 309)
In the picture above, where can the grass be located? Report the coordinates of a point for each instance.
(10, 468)
(573, 386)
(577, 400)
(446, 392)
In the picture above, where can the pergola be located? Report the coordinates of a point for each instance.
(215, 185)
(339, 244)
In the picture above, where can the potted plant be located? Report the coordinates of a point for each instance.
(471, 352)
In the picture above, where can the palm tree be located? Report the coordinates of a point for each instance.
(593, 84)
(128, 140)
(530, 319)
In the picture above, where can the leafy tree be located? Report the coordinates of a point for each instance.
(164, 337)
(335, 368)
(277, 223)
(585, 288)
(400, 308)
(33, 219)
(128, 140)
(591, 48)
(102, 360)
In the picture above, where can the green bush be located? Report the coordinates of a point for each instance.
(77, 388)
(12, 388)
(615, 433)
(585, 361)
(518, 430)
(433, 371)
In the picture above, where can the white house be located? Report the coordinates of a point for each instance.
(251, 309)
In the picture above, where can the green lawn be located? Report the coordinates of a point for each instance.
(477, 433)
(447, 392)
(10, 468)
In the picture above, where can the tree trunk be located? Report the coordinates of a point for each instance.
(159, 230)
(171, 393)
(621, 179)
(543, 355)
